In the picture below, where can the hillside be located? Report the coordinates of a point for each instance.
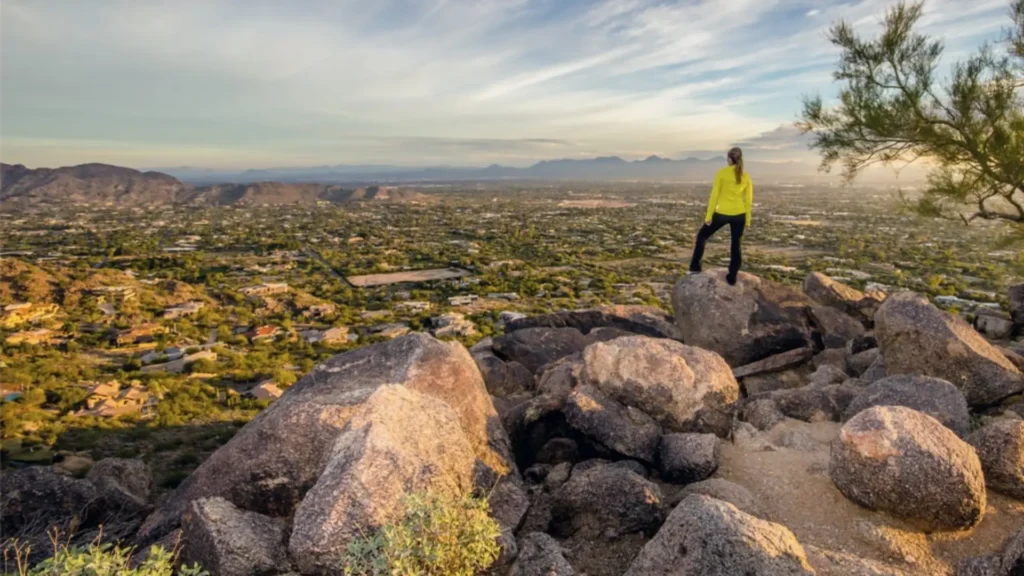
(88, 183)
(101, 183)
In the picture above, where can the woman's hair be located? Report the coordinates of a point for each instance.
(736, 158)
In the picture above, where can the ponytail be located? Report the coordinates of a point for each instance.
(736, 157)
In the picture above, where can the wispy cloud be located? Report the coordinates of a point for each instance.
(255, 82)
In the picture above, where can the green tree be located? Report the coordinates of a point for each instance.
(893, 110)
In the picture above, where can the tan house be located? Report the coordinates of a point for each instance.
(266, 390)
(137, 334)
(26, 312)
(266, 289)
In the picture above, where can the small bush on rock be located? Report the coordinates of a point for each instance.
(438, 535)
(96, 559)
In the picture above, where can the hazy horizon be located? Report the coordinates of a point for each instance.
(248, 85)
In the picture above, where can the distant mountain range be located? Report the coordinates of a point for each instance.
(102, 183)
(606, 168)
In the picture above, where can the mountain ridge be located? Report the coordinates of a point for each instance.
(105, 183)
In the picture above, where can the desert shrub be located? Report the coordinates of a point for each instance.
(96, 559)
(438, 535)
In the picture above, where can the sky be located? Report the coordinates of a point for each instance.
(266, 83)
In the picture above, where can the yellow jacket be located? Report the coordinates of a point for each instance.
(728, 197)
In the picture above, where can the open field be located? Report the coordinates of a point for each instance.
(412, 276)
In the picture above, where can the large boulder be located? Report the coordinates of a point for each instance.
(1007, 561)
(227, 541)
(540, 555)
(606, 500)
(400, 442)
(508, 503)
(686, 458)
(668, 380)
(813, 403)
(710, 537)
(1016, 298)
(994, 324)
(901, 461)
(535, 347)
(34, 499)
(273, 460)
(503, 378)
(624, 429)
(915, 337)
(932, 396)
(1000, 447)
(824, 290)
(726, 491)
(642, 320)
(744, 323)
(124, 483)
(835, 328)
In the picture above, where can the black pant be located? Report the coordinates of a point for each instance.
(736, 226)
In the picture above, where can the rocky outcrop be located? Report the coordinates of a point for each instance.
(540, 555)
(624, 429)
(535, 347)
(1016, 297)
(36, 498)
(832, 563)
(915, 337)
(932, 396)
(607, 500)
(399, 442)
(761, 413)
(827, 375)
(124, 483)
(711, 537)
(813, 403)
(775, 363)
(686, 458)
(835, 328)
(859, 363)
(906, 463)
(667, 380)
(640, 320)
(503, 378)
(826, 291)
(726, 491)
(508, 503)
(744, 323)
(1000, 447)
(227, 541)
(304, 424)
(1007, 561)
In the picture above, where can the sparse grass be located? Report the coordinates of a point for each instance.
(95, 559)
(438, 535)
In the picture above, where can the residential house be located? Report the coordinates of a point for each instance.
(413, 307)
(453, 324)
(178, 366)
(122, 293)
(319, 310)
(266, 289)
(109, 400)
(137, 334)
(264, 332)
(26, 312)
(393, 330)
(464, 300)
(328, 336)
(266, 390)
(167, 355)
(186, 309)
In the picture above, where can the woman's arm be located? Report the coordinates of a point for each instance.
(713, 202)
(748, 199)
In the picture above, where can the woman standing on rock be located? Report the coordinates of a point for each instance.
(731, 199)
